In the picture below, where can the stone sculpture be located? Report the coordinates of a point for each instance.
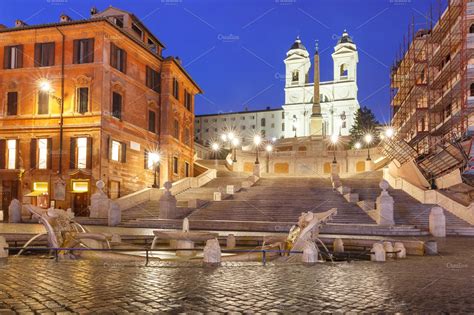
(384, 206)
(99, 207)
(388, 247)
(167, 203)
(437, 222)
(14, 211)
(377, 253)
(400, 248)
(310, 253)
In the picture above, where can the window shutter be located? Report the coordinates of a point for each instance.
(145, 165)
(12, 103)
(90, 50)
(51, 47)
(72, 153)
(108, 149)
(33, 153)
(19, 56)
(124, 61)
(89, 153)
(124, 153)
(2, 153)
(37, 55)
(156, 81)
(17, 154)
(113, 55)
(50, 153)
(75, 51)
(148, 77)
(6, 57)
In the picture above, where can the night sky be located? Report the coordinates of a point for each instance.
(235, 49)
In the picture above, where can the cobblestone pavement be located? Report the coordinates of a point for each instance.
(417, 284)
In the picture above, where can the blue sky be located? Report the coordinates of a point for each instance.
(235, 49)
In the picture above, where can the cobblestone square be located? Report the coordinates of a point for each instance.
(441, 283)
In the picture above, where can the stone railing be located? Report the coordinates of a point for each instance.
(147, 194)
(431, 197)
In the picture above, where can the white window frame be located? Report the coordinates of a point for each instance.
(115, 149)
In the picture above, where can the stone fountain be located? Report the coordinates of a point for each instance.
(183, 239)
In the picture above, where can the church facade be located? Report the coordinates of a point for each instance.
(335, 103)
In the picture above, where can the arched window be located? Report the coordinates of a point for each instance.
(471, 28)
(471, 89)
(343, 71)
(262, 122)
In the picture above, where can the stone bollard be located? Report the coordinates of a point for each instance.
(310, 253)
(437, 222)
(338, 245)
(400, 248)
(217, 196)
(230, 189)
(377, 253)
(3, 245)
(167, 203)
(384, 208)
(115, 214)
(431, 248)
(212, 252)
(14, 211)
(388, 247)
(230, 244)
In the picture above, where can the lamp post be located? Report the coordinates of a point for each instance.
(155, 160)
(334, 139)
(389, 132)
(215, 148)
(357, 145)
(257, 139)
(235, 143)
(269, 149)
(368, 139)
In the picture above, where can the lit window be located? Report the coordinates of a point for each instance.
(81, 153)
(42, 154)
(115, 156)
(11, 158)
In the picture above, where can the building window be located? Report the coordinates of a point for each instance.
(13, 57)
(42, 154)
(295, 76)
(471, 89)
(11, 153)
(81, 153)
(151, 121)
(117, 105)
(83, 51)
(175, 88)
(152, 45)
(242, 127)
(82, 99)
(263, 132)
(118, 151)
(282, 115)
(43, 103)
(187, 137)
(273, 125)
(282, 126)
(176, 129)
(118, 58)
(343, 71)
(44, 54)
(153, 79)
(242, 118)
(12, 103)
(137, 30)
(187, 100)
(175, 165)
(262, 122)
(118, 20)
(471, 29)
(186, 169)
(114, 189)
(253, 126)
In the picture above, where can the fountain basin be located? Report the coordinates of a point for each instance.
(183, 240)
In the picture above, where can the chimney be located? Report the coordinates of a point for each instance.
(20, 23)
(64, 18)
(93, 11)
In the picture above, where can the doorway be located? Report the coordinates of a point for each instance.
(80, 204)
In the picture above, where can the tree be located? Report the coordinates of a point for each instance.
(364, 123)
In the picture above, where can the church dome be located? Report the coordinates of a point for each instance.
(297, 44)
(345, 39)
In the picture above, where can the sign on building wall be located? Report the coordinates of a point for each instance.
(59, 190)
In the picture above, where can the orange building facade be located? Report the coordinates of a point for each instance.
(89, 100)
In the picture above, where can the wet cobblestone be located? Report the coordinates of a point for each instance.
(417, 284)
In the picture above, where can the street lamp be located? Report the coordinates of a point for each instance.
(269, 149)
(368, 139)
(334, 139)
(154, 159)
(235, 143)
(389, 132)
(357, 145)
(215, 148)
(257, 139)
(224, 137)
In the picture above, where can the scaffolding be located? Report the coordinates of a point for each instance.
(430, 84)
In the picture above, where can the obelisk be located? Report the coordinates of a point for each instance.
(316, 120)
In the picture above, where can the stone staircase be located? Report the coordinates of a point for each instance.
(407, 210)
